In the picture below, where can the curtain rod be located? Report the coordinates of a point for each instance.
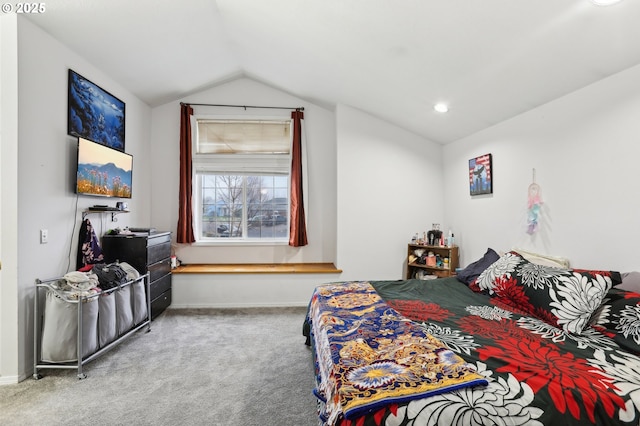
(245, 106)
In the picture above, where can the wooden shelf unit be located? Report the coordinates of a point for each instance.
(451, 253)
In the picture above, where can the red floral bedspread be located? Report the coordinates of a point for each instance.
(537, 374)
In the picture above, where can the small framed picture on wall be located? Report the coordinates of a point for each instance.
(480, 175)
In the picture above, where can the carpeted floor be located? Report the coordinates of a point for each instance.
(195, 367)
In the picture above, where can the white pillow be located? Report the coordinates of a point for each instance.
(543, 259)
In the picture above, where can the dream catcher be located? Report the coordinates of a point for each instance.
(534, 205)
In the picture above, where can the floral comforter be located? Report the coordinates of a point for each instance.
(537, 374)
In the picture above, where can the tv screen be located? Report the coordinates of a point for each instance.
(103, 171)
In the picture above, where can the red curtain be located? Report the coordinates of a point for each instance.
(185, 213)
(297, 227)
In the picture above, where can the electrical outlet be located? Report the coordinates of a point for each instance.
(44, 236)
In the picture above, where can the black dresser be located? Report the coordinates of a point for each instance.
(147, 252)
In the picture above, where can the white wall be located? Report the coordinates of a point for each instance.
(389, 187)
(584, 148)
(46, 171)
(247, 290)
(9, 354)
(320, 137)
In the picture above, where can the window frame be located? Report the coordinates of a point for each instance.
(236, 164)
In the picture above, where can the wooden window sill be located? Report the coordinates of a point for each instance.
(258, 268)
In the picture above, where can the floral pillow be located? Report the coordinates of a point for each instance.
(619, 318)
(564, 298)
(499, 271)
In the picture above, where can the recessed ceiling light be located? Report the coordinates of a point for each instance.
(441, 107)
(605, 2)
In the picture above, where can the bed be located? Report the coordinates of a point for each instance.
(518, 343)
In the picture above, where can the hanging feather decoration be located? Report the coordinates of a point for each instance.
(534, 205)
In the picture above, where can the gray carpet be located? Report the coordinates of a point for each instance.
(195, 367)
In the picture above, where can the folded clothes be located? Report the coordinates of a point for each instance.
(78, 284)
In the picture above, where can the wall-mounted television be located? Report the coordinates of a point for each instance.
(103, 171)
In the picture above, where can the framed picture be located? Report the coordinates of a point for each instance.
(480, 175)
(94, 113)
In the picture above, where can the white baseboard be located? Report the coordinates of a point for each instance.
(11, 380)
(236, 305)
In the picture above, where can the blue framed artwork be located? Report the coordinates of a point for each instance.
(94, 113)
(480, 175)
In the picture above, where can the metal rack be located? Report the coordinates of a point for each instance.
(39, 316)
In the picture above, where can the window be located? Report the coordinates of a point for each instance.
(241, 180)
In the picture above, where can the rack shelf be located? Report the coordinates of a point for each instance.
(82, 327)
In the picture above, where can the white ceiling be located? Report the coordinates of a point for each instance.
(489, 59)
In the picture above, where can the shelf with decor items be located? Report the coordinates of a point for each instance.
(113, 212)
(424, 261)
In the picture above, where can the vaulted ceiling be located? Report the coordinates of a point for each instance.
(488, 59)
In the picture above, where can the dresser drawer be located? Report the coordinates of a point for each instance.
(155, 239)
(158, 252)
(159, 269)
(160, 286)
(161, 303)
